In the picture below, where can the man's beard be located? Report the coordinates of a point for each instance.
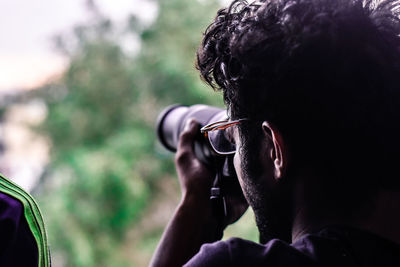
(272, 206)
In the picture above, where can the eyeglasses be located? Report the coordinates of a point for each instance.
(220, 134)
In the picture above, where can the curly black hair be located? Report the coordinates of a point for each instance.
(326, 72)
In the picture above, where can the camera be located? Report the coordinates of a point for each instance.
(172, 121)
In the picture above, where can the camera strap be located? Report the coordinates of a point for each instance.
(218, 203)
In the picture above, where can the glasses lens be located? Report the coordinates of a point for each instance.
(222, 141)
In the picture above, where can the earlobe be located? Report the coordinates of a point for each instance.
(278, 169)
(278, 151)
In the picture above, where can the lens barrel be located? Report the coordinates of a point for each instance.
(172, 121)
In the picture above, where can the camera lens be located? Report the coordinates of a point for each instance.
(172, 120)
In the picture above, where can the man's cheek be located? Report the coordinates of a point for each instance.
(238, 167)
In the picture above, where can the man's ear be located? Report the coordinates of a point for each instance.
(278, 152)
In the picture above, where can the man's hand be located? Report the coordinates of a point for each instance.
(193, 223)
(195, 178)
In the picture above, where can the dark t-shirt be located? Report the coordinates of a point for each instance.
(332, 246)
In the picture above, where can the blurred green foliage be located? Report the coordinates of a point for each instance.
(106, 167)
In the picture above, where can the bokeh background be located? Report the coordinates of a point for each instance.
(81, 85)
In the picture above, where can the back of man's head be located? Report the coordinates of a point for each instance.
(327, 74)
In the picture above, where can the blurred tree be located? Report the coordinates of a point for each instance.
(101, 116)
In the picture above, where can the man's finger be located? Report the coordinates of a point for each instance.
(186, 140)
(188, 135)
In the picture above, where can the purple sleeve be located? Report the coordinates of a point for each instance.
(10, 216)
(17, 245)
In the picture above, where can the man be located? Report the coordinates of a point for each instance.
(313, 92)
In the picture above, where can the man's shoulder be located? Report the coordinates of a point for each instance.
(240, 252)
(334, 246)
(347, 246)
